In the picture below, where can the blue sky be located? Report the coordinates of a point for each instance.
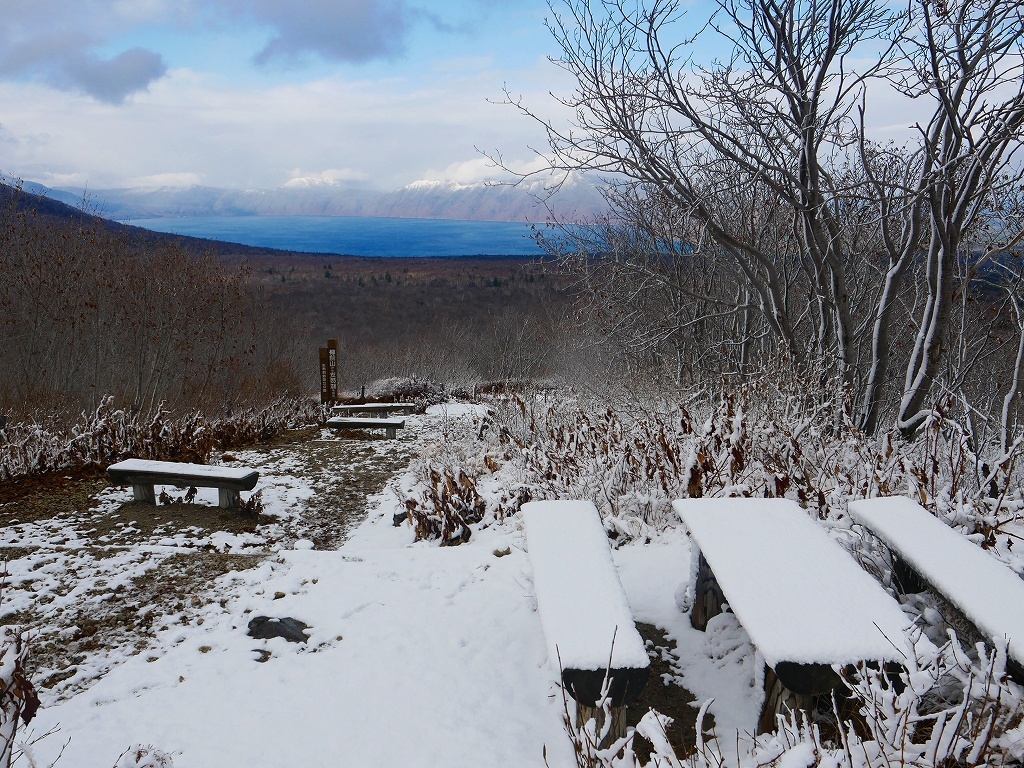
(253, 93)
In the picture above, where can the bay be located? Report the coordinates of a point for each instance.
(358, 235)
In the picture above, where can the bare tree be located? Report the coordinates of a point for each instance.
(838, 243)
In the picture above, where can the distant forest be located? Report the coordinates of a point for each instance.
(89, 307)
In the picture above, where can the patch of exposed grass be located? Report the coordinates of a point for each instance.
(43, 497)
(666, 696)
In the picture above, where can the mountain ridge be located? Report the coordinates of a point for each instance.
(530, 201)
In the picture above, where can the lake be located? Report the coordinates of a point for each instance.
(358, 235)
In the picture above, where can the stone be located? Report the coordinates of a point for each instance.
(265, 627)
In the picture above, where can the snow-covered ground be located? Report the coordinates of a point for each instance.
(418, 655)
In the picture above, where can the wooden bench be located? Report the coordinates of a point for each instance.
(586, 618)
(806, 604)
(381, 408)
(927, 553)
(391, 426)
(143, 474)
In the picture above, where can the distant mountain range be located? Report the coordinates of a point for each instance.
(577, 199)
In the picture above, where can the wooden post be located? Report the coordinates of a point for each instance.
(145, 493)
(228, 498)
(618, 727)
(778, 699)
(708, 597)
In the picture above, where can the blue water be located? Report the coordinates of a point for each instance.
(358, 236)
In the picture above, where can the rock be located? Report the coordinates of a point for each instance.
(265, 627)
(503, 552)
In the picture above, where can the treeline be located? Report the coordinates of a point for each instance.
(455, 321)
(89, 310)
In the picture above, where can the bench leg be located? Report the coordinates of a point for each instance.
(618, 726)
(229, 499)
(708, 597)
(392, 433)
(778, 700)
(145, 494)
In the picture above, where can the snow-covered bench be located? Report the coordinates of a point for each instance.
(381, 408)
(587, 622)
(143, 474)
(391, 426)
(985, 591)
(806, 604)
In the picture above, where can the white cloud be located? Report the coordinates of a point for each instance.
(187, 123)
(481, 169)
(58, 41)
(330, 176)
(175, 179)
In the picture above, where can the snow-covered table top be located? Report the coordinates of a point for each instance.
(984, 589)
(181, 468)
(801, 597)
(580, 599)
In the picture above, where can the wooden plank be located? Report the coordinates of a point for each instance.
(584, 611)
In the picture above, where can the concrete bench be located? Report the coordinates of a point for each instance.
(982, 589)
(586, 618)
(142, 475)
(381, 408)
(391, 426)
(806, 604)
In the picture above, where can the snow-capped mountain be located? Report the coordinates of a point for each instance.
(529, 201)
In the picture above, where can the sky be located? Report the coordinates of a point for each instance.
(254, 93)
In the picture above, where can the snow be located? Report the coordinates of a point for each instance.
(586, 616)
(418, 655)
(984, 589)
(179, 468)
(798, 594)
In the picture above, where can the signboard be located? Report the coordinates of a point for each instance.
(329, 372)
(332, 365)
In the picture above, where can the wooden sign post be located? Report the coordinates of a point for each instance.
(329, 372)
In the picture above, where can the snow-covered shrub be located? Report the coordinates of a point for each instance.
(769, 439)
(110, 434)
(446, 507)
(144, 756)
(949, 711)
(18, 699)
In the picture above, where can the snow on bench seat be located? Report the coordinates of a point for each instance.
(801, 597)
(803, 600)
(346, 422)
(143, 474)
(988, 593)
(583, 608)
